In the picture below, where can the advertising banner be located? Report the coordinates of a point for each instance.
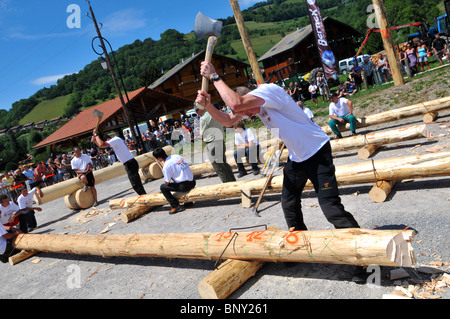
(326, 55)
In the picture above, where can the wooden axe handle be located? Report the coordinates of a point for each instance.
(98, 123)
(212, 40)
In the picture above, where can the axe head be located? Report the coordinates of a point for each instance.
(97, 113)
(205, 27)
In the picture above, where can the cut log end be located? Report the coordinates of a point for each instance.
(430, 117)
(400, 250)
(381, 190)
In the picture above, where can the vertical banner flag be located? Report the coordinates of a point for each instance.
(327, 56)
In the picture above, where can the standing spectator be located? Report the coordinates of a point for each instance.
(313, 90)
(178, 177)
(39, 173)
(368, 67)
(212, 134)
(341, 111)
(124, 156)
(440, 48)
(323, 86)
(307, 111)
(82, 166)
(61, 170)
(93, 154)
(422, 54)
(412, 57)
(65, 161)
(29, 173)
(246, 145)
(383, 66)
(25, 201)
(356, 73)
(293, 91)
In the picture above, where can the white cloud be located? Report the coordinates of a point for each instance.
(123, 21)
(50, 79)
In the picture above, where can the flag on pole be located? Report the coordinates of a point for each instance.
(326, 55)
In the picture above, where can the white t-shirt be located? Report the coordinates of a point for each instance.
(285, 119)
(26, 201)
(340, 108)
(120, 148)
(2, 240)
(177, 169)
(245, 137)
(308, 112)
(80, 163)
(7, 212)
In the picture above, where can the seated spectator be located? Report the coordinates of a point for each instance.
(350, 87)
(246, 145)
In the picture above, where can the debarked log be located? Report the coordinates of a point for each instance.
(406, 167)
(399, 113)
(353, 246)
(375, 139)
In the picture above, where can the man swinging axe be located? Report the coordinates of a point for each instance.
(125, 157)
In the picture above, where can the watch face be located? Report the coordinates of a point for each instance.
(215, 77)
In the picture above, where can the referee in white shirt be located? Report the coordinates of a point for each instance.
(124, 155)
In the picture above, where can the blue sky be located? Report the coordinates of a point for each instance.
(38, 46)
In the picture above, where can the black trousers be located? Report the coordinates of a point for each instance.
(27, 220)
(320, 170)
(132, 168)
(167, 190)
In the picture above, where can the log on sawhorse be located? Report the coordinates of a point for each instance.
(393, 169)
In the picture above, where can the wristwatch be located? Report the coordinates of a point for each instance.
(95, 135)
(215, 77)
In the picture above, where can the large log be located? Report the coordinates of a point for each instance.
(406, 167)
(351, 246)
(228, 277)
(69, 186)
(375, 138)
(399, 113)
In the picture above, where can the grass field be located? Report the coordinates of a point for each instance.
(46, 110)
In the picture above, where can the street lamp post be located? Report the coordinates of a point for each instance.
(106, 64)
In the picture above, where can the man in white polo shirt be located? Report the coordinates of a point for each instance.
(341, 111)
(124, 156)
(178, 177)
(25, 200)
(6, 247)
(82, 166)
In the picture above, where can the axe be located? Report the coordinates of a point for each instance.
(99, 116)
(207, 27)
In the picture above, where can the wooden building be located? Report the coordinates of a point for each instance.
(297, 52)
(184, 79)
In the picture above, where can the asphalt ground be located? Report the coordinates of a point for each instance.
(422, 205)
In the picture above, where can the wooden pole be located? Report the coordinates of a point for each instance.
(388, 42)
(353, 246)
(414, 166)
(19, 257)
(367, 151)
(246, 41)
(397, 114)
(228, 277)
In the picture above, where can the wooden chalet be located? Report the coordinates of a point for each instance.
(297, 52)
(184, 79)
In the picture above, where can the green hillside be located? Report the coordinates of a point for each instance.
(46, 110)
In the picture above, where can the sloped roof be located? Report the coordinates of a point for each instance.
(85, 122)
(293, 39)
